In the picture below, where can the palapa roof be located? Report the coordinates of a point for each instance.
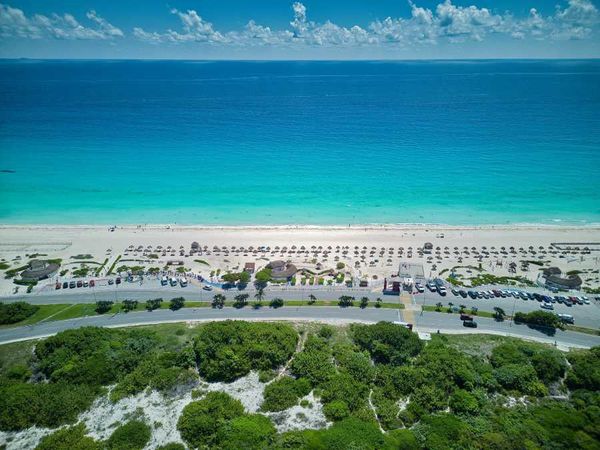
(39, 270)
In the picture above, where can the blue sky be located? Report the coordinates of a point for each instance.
(318, 29)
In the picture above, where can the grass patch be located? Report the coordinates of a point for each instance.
(15, 353)
(444, 309)
(483, 344)
(585, 330)
(201, 261)
(43, 313)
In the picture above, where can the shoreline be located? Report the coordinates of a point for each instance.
(352, 227)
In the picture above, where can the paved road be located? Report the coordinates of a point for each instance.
(429, 322)
(584, 315)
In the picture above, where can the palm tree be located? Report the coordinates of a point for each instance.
(260, 295)
(438, 306)
(499, 313)
(218, 301)
(364, 302)
(240, 300)
(474, 310)
(379, 301)
(346, 300)
(312, 299)
(462, 308)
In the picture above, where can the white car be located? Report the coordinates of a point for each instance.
(419, 288)
(546, 305)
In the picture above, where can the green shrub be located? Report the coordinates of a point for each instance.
(16, 312)
(284, 393)
(585, 372)
(69, 438)
(23, 405)
(249, 431)
(134, 435)
(336, 410)
(230, 349)
(313, 362)
(387, 343)
(200, 421)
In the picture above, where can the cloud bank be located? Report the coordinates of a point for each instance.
(447, 22)
(14, 23)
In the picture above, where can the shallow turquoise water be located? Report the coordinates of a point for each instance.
(238, 143)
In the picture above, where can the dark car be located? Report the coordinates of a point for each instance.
(57, 286)
(464, 317)
(469, 324)
(111, 281)
(454, 291)
(118, 281)
(79, 283)
(65, 285)
(72, 285)
(462, 293)
(473, 294)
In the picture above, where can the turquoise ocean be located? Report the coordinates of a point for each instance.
(281, 143)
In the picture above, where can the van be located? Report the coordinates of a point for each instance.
(164, 281)
(566, 318)
(173, 281)
(183, 282)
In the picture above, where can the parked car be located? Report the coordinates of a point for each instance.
(164, 281)
(419, 287)
(79, 284)
(207, 288)
(118, 280)
(86, 283)
(441, 290)
(470, 324)
(65, 285)
(454, 292)
(566, 318)
(465, 317)
(473, 294)
(72, 285)
(546, 305)
(57, 287)
(463, 293)
(92, 283)
(111, 281)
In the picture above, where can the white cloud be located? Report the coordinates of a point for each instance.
(14, 23)
(447, 22)
(576, 21)
(195, 29)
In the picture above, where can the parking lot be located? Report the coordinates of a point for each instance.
(584, 314)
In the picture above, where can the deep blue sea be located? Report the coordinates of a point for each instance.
(324, 143)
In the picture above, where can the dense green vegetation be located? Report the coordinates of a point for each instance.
(77, 364)
(69, 438)
(448, 393)
(284, 393)
(16, 312)
(229, 350)
(133, 435)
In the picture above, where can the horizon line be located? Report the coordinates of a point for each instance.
(25, 58)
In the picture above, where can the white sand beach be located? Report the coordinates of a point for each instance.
(370, 252)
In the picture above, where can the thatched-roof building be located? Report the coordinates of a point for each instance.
(39, 270)
(280, 270)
